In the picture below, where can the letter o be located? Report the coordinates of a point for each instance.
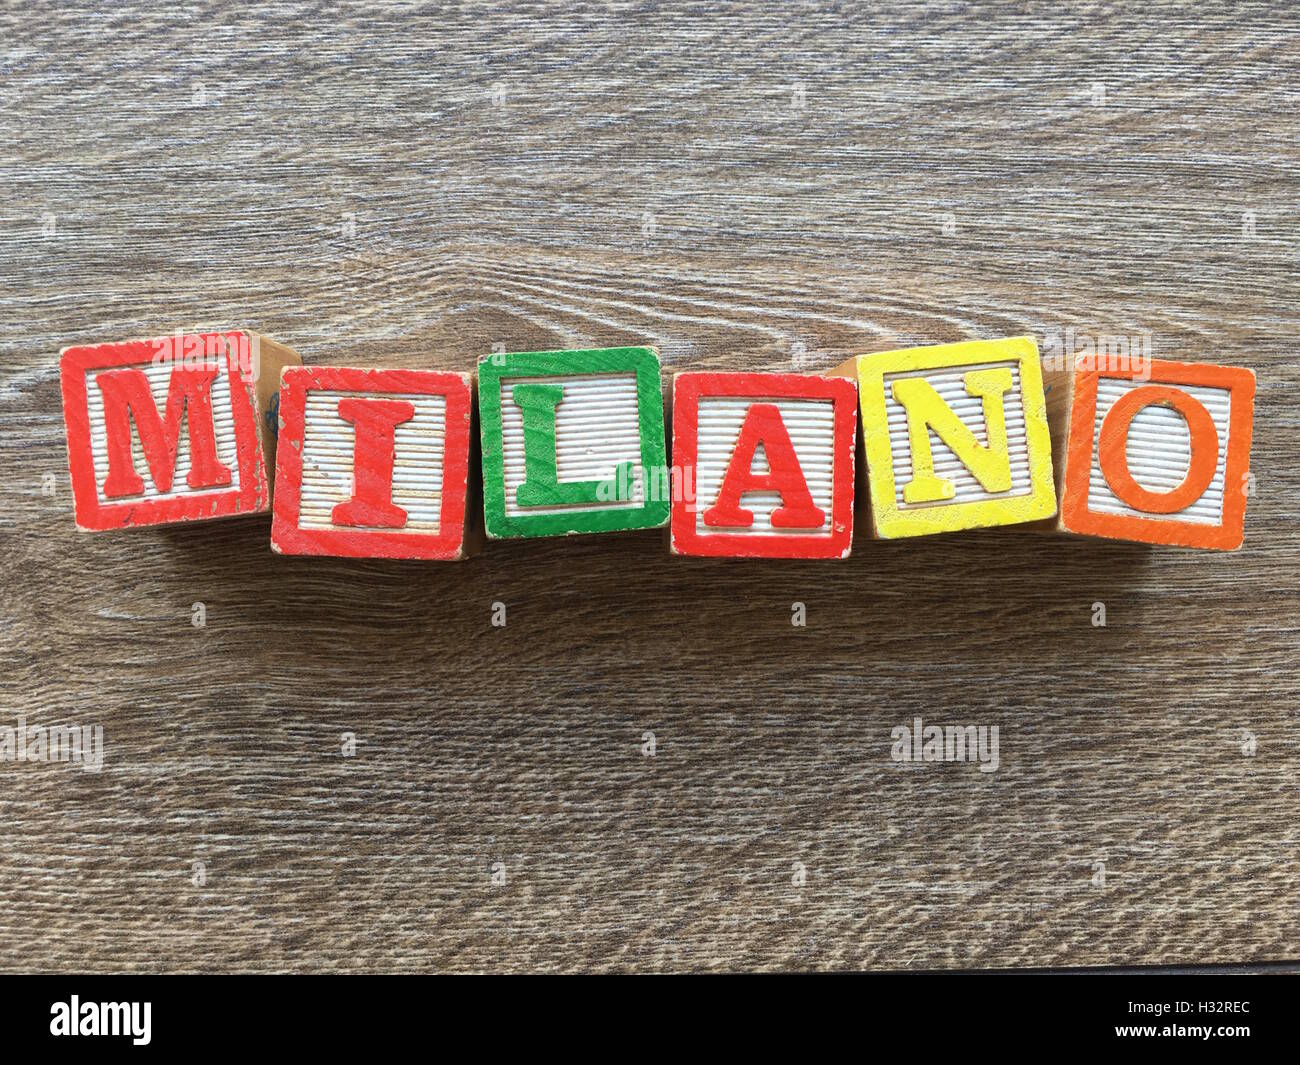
(1112, 452)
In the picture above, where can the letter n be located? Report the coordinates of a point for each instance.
(956, 436)
(927, 411)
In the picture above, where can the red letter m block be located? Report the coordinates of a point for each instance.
(763, 465)
(372, 463)
(166, 430)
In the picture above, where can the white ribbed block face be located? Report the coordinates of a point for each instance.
(1159, 450)
(159, 377)
(596, 428)
(328, 451)
(811, 425)
(950, 385)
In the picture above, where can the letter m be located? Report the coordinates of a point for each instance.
(127, 398)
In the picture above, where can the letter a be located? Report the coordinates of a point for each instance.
(764, 426)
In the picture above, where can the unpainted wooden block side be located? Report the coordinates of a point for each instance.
(848, 368)
(1058, 394)
(270, 359)
(863, 512)
(475, 537)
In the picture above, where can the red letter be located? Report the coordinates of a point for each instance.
(374, 422)
(189, 394)
(763, 425)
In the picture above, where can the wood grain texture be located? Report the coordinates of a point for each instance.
(743, 188)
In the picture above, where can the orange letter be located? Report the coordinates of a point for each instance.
(1112, 449)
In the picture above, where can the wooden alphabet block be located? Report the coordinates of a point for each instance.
(373, 463)
(1156, 451)
(174, 429)
(956, 436)
(573, 442)
(764, 465)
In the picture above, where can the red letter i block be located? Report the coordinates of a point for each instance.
(372, 463)
(180, 428)
(763, 465)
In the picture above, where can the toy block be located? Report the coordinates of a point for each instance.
(956, 436)
(765, 462)
(173, 429)
(373, 463)
(1157, 452)
(573, 442)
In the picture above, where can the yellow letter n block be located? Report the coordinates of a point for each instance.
(956, 437)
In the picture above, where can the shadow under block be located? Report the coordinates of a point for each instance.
(572, 442)
(373, 463)
(173, 429)
(763, 464)
(955, 436)
(1156, 452)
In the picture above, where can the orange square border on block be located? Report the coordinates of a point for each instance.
(448, 542)
(1238, 381)
(688, 389)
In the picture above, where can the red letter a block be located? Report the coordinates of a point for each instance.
(174, 429)
(372, 463)
(763, 465)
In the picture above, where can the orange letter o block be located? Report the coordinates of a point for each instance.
(1112, 452)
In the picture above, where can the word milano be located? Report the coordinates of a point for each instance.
(387, 463)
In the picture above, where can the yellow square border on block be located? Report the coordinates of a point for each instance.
(888, 520)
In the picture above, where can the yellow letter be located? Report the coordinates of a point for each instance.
(926, 410)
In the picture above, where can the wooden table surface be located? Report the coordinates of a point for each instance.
(742, 186)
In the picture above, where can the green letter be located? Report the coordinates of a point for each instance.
(541, 487)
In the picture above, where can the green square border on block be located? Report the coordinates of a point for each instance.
(651, 514)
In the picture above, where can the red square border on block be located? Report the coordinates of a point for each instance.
(1217, 463)
(191, 401)
(325, 443)
(780, 416)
